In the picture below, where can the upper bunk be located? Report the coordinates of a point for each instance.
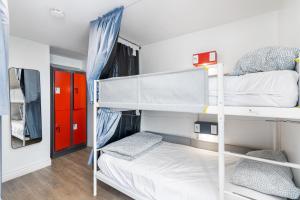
(271, 95)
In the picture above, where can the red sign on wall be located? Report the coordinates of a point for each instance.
(205, 58)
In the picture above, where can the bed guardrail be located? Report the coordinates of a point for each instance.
(177, 91)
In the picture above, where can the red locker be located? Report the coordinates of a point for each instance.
(68, 111)
(79, 94)
(62, 90)
(62, 104)
(79, 126)
(62, 130)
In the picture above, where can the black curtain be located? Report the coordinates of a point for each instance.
(123, 62)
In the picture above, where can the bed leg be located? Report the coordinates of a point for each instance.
(95, 186)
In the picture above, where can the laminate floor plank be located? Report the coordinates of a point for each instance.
(69, 178)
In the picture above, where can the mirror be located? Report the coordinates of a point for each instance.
(25, 107)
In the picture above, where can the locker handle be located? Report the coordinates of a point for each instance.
(76, 90)
(57, 128)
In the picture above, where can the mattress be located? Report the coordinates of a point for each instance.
(172, 171)
(269, 89)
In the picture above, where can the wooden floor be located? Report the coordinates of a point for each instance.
(69, 178)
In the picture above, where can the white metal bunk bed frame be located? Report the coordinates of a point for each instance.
(221, 111)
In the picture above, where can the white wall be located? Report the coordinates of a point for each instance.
(289, 35)
(289, 23)
(231, 41)
(68, 62)
(290, 144)
(16, 162)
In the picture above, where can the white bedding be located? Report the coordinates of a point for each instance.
(172, 171)
(16, 96)
(271, 89)
(17, 129)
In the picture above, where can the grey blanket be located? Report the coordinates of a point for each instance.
(133, 146)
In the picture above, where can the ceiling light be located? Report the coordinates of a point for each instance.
(57, 13)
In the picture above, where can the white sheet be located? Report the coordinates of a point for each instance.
(270, 89)
(17, 129)
(16, 96)
(172, 171)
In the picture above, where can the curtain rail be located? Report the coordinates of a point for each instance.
(122, 38)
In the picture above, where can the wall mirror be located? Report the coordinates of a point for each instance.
(25, 107)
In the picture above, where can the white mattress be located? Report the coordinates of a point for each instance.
(270, 89)
(172, 171)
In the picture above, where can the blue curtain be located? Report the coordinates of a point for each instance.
(30, 85)
(4, 27)
(107, 123)
(103, 35)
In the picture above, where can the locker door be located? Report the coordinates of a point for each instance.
(79, 126)
(62, 109)
(79, 91)
(62, 90)
(62, 130)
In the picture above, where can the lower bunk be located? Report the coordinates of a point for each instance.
(169, 171)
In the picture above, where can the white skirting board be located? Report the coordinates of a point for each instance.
(26, 170)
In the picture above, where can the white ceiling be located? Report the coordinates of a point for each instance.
(144, 21)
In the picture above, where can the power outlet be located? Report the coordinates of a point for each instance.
(214, 129)
(209, 128)
(197, 128)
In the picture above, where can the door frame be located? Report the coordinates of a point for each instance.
(72, 148)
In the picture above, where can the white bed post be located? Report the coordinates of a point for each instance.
(221, 142)
(95, 138)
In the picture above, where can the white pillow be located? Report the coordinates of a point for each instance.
(266, 178)
(267, 59)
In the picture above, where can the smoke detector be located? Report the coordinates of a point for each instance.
(57, 13)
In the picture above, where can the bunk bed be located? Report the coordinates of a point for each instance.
(183, 91)
(17, 125)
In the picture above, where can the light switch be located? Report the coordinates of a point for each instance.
(214, 130)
